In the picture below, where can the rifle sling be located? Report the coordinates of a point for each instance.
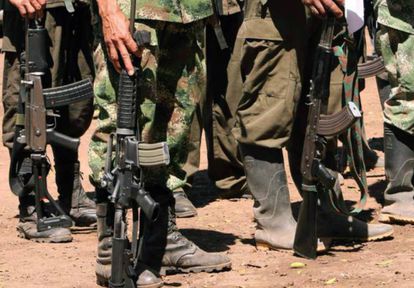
(68, 94)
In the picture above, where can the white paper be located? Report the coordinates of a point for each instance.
(354, 14)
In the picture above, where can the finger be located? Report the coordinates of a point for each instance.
(333, 8)
(319, 7)
(22, 11)
(132, 46)
(113, 55)
(126, 59)
(315, 11)
(30, 10)
(36, 5)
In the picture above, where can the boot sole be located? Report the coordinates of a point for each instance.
(185, 214)
(102, 281)
(62, 239)
(320, 249)
(396, 219)
(209, 269)
(368, 239)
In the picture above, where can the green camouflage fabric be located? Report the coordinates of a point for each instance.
(395, 42)
(172, 82)
(397, 14)
(178, 11)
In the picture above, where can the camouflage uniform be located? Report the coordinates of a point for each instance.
(395, 42)
(173, 80)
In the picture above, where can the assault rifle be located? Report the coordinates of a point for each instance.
(124, 177)
(316, 176)
(35, 126)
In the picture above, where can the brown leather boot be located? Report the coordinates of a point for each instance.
(183, 206)
(27, 227)
(166, 250)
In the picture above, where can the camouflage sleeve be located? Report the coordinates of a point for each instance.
(396, 14)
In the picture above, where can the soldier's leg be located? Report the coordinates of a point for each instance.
(224, 164)
(180, 77)
(262, 153)
(11, 81)
(396, 47)
(71, 51)
(331, 224)
(183, 206)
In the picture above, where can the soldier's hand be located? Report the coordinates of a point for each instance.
(118, 39)
(320, 8)
(30, 8)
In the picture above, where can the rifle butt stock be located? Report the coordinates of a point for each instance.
(306, 239)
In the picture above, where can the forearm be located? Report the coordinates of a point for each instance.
(118, 38)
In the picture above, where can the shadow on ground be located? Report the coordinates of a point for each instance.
(209, 240)
(376, 191)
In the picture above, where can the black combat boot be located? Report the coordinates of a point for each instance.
(338, 226)
(147, 278)
(166, 250)
(399, 170)
(266, 178)
(331, 224)
(183, 206)
(72, 196)
(27, 227)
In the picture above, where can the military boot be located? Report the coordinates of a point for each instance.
(338, 226)
(104, 231)
(266, 177)
(27, 227)
(399, 169)
(166, 250)
(72, 196)
(146, 277)
(183, 206)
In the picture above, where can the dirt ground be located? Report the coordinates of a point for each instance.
(224, 226)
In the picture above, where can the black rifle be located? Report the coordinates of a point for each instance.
(124, 177)
(35, 126)
(316, 176)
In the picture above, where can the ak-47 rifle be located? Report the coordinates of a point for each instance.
(35, 125)
(315, 175)
(124, 177)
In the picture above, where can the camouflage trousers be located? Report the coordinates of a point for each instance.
(172, 81)
(397, 49)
